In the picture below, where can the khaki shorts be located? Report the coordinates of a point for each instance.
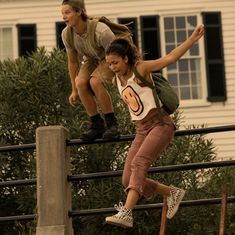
(101, 70)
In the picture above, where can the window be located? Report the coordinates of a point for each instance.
(184, 75)
(59, 27)
(131, 22)
(27, 39)
(187, 75)
(150, 42)
(6, 43)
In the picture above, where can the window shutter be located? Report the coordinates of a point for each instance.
(150, 34)
(27, 39)
(59, 28)
(214, 55)
(132, 25)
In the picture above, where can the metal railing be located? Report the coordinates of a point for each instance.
(73, 178)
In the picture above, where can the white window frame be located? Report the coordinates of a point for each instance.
(194, 102)
(14, 39)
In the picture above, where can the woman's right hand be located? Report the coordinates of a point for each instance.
(198, 33)
(73, 98)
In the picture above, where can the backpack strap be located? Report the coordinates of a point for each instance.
(155, 95)
(91, 32)
(68, 33)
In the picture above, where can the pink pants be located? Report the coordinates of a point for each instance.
(151, 138)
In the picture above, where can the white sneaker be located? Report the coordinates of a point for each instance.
(122, 219)
(173, 201)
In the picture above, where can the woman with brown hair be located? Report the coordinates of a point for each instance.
(152, 136)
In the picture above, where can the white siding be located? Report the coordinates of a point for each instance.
(45, 13)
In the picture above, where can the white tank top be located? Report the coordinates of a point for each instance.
(140, 100)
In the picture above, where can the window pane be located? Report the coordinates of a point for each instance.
(185, 93)
(194, 50)
(172, 68)
(181, 36)
(170, 36)
(194, 79)
(192, 21)
(168, 23)
(184, 79)
(172, 78)
(192, 65)
(195, 93)
(180, 22)
(183, 65)
(6, 43)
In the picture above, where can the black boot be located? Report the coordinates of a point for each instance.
(96, 129)
(112, 131)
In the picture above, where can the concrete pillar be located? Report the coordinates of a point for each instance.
(53, 189)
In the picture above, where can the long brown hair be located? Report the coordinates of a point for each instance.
(122, 47)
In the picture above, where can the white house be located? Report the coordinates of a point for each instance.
(204, 78)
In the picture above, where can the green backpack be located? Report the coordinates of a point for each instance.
(162, 91)
(119, 30)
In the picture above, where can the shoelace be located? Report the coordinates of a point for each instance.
(123, 213)
(172, 199)
(119, 207)
(174, 196)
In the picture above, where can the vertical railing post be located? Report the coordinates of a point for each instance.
(53, 189)
(163, 217)
(223, 212)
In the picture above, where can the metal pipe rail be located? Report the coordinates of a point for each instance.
(123, 138)
(189, 203)
(160, 169)
(13, 183)
(108, 174)
(18, 218)
(12, 148)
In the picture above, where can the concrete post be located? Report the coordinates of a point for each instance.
(53, 189)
